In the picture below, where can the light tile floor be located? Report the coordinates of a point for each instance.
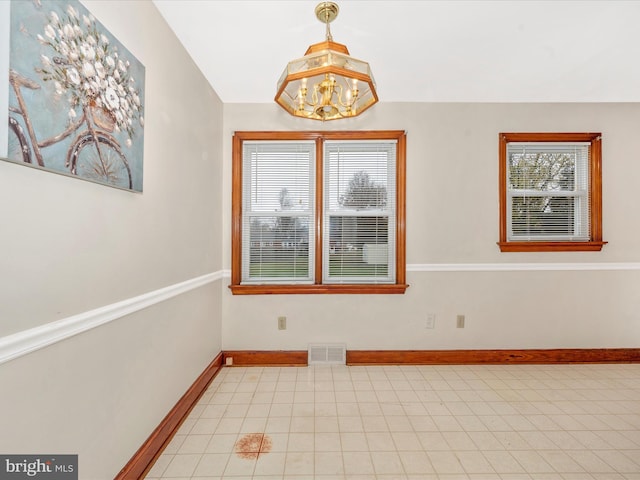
(506, 422)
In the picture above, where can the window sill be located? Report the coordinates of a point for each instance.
(551, 246)
(317, 289)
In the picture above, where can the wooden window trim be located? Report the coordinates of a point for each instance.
(318, 287)
(595, 178)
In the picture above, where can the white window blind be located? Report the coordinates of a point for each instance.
(548, 191)
(359, 221)
(278, 212)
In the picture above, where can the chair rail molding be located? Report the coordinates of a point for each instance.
(519, 267)
(26, 341)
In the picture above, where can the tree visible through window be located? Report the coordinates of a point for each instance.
(318, 212)
(545, 212)
(363, 192)
(550, 192)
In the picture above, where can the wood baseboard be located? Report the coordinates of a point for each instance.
(148, 453)
(266, 358)
(534, 356)
(247, 358)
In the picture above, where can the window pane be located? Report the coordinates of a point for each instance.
(277, 200)
(542, 171)
(279, 176)
(279, 248)
(543, 216)
(548, 189)
(359, 175)
(359, 212)
(358, 246)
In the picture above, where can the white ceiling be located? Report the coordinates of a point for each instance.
(427, 51)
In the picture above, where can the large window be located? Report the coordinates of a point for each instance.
(318, 212)
(550, 192)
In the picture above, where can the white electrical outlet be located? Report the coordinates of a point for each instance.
(460, 321)
(431, 320)
(282, 323)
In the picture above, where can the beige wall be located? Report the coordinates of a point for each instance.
(579, 299)
(71, 246)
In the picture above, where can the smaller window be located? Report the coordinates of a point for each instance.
(550, 192)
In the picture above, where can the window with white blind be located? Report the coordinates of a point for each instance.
(277, 202)
(550, 192)
(359, 212)
(318, 212)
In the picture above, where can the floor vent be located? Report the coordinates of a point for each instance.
(334, 354)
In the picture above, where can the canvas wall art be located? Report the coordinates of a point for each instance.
(76, 95)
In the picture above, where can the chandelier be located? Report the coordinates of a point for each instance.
(327, 83)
